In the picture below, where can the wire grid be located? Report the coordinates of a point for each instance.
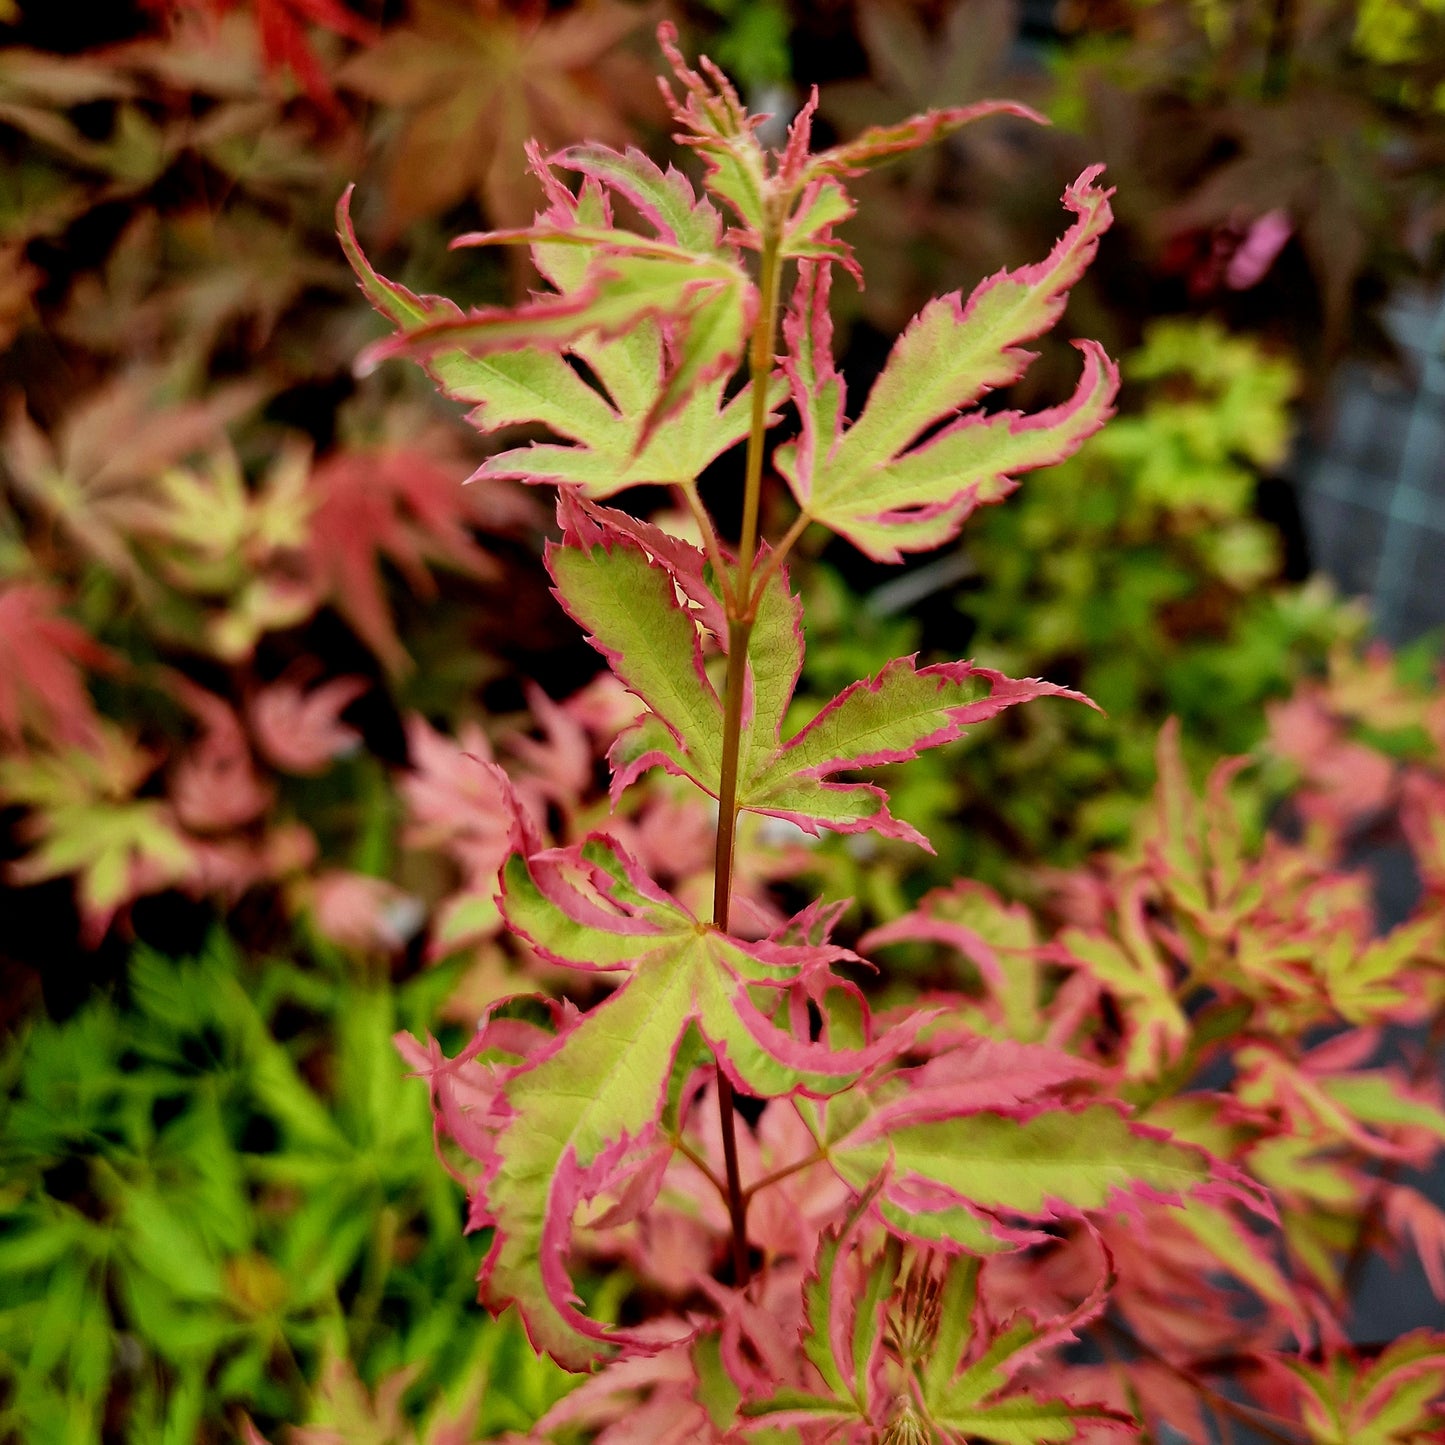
(1373, 495)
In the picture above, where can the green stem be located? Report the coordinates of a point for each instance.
(760, 365)
(777, 557)
(703, 1167)
(709, 542)
(787, 1171)
(740, 630)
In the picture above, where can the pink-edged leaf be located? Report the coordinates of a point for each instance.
(998, 939)
(973, 1075)
(887, 719)
(665, 198)
(505, 390)
(717, 125)
(968, 1380)
(1396, 1399)
(845, 1301)
(1131, 969)
(592, 1100)
(661, 333)
(882, 142)
(624, 287)
(627, 598)
(876, 482)
(958, 1177)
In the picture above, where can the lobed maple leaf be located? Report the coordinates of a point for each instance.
(86, 820)
(1396, 1399)
(96, 471)
(983, 1136)
(795, 183)
(627, 599)
(875, 482)
(42, 688)
(300, 730)
(214, 785)
(913, 1355)
(656, 318)
(475, 81)
(592, 1096)
(397, 503)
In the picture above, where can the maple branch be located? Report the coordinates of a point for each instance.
(740, 628)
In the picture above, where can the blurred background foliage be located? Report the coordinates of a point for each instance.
(252, 627)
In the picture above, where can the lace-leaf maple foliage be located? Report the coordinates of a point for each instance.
(921, 1151)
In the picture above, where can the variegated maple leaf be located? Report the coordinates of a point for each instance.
(1395, 1399)
(910, 1354)
(659, 320)
(906, 474)
(559, 1121)
(624, 584)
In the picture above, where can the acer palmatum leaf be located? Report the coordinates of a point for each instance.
(875, 482)
(595, 1093)
(659, 320)
(626, 597)
(42, 679)
(397, 503)
(86, 820)
(473, 83)
(299, 729)
(214, 786)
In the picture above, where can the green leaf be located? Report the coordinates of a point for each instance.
(875, 482)
(595, 1094)
(627, 600)
(659, 323)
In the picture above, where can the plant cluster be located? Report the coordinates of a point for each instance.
(255, 639)
(845, 1225)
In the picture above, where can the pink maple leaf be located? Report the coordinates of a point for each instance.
(401, 504)
(41, 686)
(300, 730)
(215, 787)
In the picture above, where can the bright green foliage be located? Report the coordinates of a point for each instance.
(177, 1188)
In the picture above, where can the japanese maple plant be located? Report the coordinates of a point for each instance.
(836, 1224)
